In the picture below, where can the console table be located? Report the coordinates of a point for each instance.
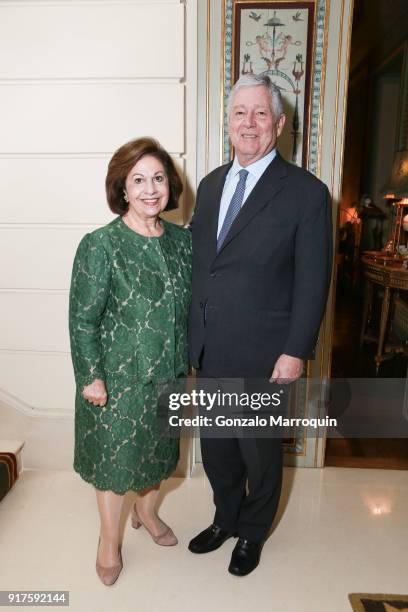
(389, 274)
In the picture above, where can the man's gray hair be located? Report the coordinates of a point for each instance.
(253, 80)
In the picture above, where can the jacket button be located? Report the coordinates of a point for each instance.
(201, 305)
(213, 274)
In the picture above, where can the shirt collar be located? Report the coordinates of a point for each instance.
(257, 168)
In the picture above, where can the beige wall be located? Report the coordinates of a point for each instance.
(77, 80)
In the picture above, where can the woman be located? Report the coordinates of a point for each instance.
(129, 300)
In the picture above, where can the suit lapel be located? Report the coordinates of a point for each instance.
(268, 186)
(213, 197)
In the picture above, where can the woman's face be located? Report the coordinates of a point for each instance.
(147, 188)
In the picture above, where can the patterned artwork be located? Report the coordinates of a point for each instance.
(284, 40)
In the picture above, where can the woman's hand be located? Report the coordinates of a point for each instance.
(95, 393)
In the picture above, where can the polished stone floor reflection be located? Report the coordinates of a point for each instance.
(338, 531)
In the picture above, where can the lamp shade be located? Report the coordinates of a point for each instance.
(397, 185)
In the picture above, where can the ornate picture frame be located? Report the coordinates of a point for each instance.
(285, 40)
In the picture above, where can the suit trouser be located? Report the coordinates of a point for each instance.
(245, 474)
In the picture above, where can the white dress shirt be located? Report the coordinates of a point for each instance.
(231, 181)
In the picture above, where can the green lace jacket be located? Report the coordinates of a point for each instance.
(129, 302)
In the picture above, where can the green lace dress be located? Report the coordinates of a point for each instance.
(129, 302)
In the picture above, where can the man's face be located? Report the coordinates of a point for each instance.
(253, 128)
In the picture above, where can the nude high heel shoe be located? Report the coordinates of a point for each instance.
(167, 538)
(108, 574)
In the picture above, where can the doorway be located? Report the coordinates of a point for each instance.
(376, 129)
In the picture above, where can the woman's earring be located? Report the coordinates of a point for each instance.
(125, 197)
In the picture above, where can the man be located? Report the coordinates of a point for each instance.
(262, 252)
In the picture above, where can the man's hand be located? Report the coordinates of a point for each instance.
(287, 369)
(95, 393)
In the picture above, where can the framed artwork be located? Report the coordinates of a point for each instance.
(284, 40)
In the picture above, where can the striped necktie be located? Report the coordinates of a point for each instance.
(233, 208)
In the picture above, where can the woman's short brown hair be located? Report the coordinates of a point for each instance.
(123, 161)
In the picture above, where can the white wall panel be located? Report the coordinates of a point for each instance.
(40, 259)
(89, 117)
(121, 40)
(54, 190)
(39, 380)
(34, 321)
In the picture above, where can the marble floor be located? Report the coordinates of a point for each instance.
(338, 531)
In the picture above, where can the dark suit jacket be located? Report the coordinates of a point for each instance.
(267, 287)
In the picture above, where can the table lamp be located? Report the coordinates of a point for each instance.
(396, 193)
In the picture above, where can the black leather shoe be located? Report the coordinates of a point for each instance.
(208, 540)
(245, 557)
